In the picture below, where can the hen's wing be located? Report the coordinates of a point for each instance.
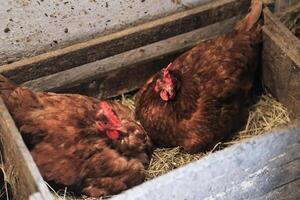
(62, 164)
(113, 173)
(228, 66)
(210, 123)
(222, 66)
(41, 114)
(223, 69)
(56, 165)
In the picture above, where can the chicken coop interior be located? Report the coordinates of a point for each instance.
(72, 56)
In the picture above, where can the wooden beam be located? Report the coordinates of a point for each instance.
(281, 5)
(281, 63)
(19, 167)
(289, 18)
(290, 10)
(131, 38)
(128, 71)
(281, 32)
(263, 167)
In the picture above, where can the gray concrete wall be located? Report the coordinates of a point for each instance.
(31, 27)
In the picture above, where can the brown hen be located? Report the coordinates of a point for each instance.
(201, 97)
(90, 146)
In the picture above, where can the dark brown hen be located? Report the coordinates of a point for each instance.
(90, 146)
(200, 98)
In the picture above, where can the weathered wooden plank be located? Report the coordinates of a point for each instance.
(128, 71)
(288, 190)
(281, 63)
(281, 5)
(258, 168)
(25, 179)
(287, 40)
(291, 19)
(127, 39)
(288, 11)
(36, 27)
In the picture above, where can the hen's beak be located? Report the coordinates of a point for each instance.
(170, 92)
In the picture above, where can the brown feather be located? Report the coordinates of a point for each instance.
(212, 82)
(60, 131)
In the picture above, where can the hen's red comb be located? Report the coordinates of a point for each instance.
(108, 112)
(166, 75)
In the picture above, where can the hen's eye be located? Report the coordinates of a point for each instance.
(103, 119)
(121, 139)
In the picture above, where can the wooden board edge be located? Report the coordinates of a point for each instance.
(104, 46)
(274, 162)
(21, 158)
(281, 5)
(288, 10)
(281, 75)
(131, 59)
(282, 36)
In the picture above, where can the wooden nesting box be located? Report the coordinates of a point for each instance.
(120, 62)
(281, 59)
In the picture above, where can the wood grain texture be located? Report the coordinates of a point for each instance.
(263, 167)
(291, 18)
(127, 71)
(22, 172)
(122, 41)
(281, 63)
(290, 10)
(281, 5)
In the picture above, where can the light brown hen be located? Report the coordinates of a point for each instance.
(201, 97)
(90, 146)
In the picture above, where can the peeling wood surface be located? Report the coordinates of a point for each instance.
(128, 71)
(130, 38)
(22, 172)
(281, 63)
(263, 167)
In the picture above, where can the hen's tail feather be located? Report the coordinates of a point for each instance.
(6, 85)
(251, 18)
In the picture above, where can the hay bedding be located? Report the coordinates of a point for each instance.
(265, 115)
